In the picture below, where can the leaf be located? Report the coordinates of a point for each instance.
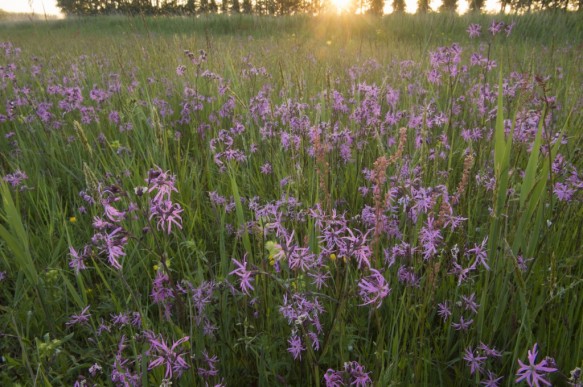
(530, 172)
(499, 136)
(240, 215)
(17, 238)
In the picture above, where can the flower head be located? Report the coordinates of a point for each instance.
(373, 289)
(443, 310)
(495, 27)
(167, 356)
(475, 362)
(161, 182)
(334, 378)
(76, 263)
(296, 347)
(492, 381)
(358, 376)
(81, 318)
(245, 276)
(166, 213)
(15, 179)
(474, 30)
(532, 373)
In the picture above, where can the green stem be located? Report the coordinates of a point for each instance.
(339, 307)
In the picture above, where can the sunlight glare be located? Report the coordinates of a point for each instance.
(341, 5)
(39, 7)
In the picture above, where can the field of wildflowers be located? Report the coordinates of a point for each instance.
(292, 202)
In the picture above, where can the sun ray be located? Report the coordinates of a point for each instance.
(341, 5)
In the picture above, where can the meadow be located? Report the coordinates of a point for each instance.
(294, 201)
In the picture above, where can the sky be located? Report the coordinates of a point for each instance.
(50, 6)
(39, 6)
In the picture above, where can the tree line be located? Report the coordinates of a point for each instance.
(286, 7)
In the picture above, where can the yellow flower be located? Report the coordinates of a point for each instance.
(332, 257)
(274, 250)
(155, 267)
(72, 219)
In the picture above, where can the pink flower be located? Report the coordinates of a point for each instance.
(166, 213)
(475, 362)
(244, 275)
(534, 374)
(474, 30)
(175, 364)
(373, 289)
(76, 263)
(295, 347)
(495, 27)
(81, 318)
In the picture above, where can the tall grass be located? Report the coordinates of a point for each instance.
(503, 183)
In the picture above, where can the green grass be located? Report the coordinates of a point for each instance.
(404, 341)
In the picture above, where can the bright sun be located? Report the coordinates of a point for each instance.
(341, 5)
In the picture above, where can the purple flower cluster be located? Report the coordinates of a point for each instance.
(303, 315)
(167, 356)
(353, 374)
(357, 201)
(111, 232)
(465, 309)
(162, 209)
(16, 179)
(477, 358)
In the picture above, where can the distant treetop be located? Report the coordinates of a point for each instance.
(286, 7)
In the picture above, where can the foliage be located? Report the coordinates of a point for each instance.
(376, 7)
(399, 6)
(448, 6)
(279, 7)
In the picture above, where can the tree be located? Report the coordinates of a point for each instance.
(376, 7)
(521, 5)
(476, 5)
(247, 7)
(353, 6)
(190, 7)
(448, 6)
(398, 5)
(68, 7)
(315, 6)
(235, 7)
(287, 7)
(260, 7)
(271, 7)
(422, 6)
